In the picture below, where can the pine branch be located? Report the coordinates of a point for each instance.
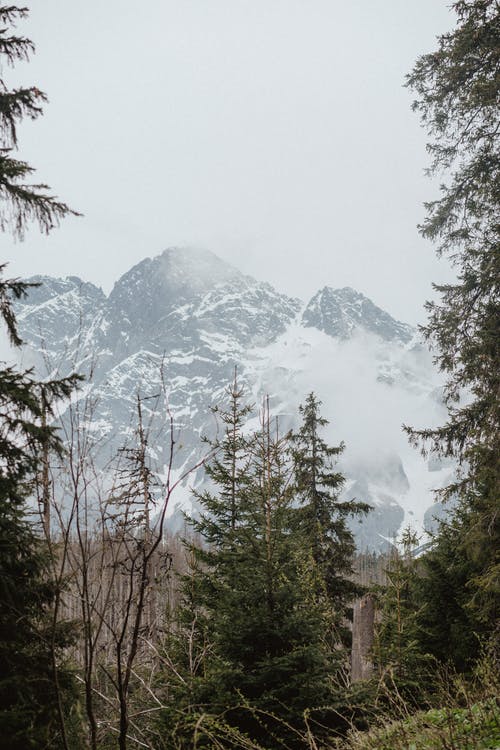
(26, 203)
(14, 106)
(15, 48)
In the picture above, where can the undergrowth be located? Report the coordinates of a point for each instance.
(465, 716)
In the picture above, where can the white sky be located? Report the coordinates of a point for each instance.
(276, 133)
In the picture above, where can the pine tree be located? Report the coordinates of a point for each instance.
(457, 89)
(249, 608)
(448, 627)
(33, 688)
(284, 663)
(211, 577)
(31, 684)
(322, 516)
(399, 655)
(20, 202)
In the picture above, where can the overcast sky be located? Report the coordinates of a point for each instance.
(276, 133)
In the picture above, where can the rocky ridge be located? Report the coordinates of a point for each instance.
(179, 324)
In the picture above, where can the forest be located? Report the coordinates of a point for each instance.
(260, 626)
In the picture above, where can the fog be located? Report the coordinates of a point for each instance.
(369, 388)
(276, 133)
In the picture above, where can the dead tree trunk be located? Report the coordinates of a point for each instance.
(363, 629)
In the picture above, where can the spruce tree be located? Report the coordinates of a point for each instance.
(211, 577)
(450, 625)
(20, 202)
(457, 88)
(284, 662)
(248, 605)
(322, 517)
(399, 655)
(33, 688)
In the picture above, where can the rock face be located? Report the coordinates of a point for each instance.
(178, 324)
(340, 312)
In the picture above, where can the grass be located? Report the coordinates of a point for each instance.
(475, 727)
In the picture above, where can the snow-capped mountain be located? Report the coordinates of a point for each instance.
(178, 325)
(340, 312)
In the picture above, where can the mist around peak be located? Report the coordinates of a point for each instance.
(197, 317)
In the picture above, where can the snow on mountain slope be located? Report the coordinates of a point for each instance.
(340, 312)
(182, 321)
(368, 387)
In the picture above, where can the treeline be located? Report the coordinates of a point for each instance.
(113, 634)
(236, 633)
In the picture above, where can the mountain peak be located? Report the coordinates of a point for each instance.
(202, 268)
(155, 286)
(49, 288)
(179, 271)
(197, 317)
(339, 312)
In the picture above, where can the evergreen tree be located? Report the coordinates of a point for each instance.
(20, 202)
(212, 569)
(398, 653)
(212, 575)
(457, 89)
(448, 627)
(249, 607)
(33, 688)
(322, 516)
(284, 662)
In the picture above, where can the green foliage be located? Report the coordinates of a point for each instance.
(35, 691)
(28, 697)
(449, 624)
(255, 646)
(20, 202)
(29, 645)
(400, 660)
(463, 715)
(322, 516)
(475, 728)
(457, 89)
